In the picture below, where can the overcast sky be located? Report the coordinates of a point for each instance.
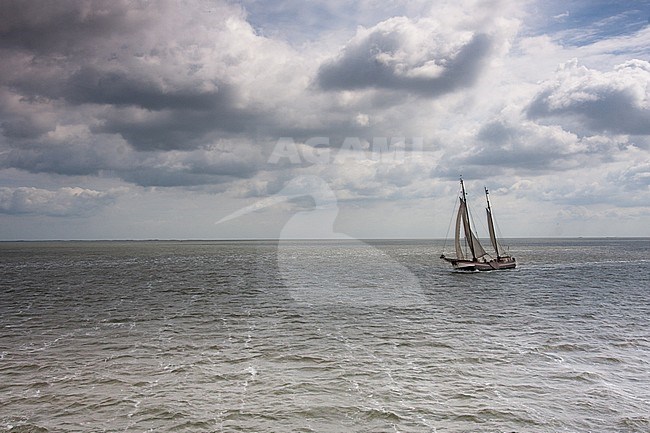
(139, 120)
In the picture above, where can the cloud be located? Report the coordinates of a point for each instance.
(617, 101)
(141, 96)
(69, 150)
(62, 202)
(154, 94)
(524, 147)
(174, 129)
(401, 54)
(635, 178)
(220, 163)
(196, 94)
(74, 150)
(368, 172)
(297, 21)
(124, 88)
(41, 26)
(160, 75)
(612, 187)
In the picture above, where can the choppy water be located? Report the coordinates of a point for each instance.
(323, 337)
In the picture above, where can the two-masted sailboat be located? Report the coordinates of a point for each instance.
(473, 256)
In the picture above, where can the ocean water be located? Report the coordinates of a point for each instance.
(329, 336)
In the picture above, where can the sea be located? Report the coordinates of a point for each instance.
(323, 336)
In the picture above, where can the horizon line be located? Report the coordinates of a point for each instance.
(303, 239)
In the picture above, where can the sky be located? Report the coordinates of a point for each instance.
(338, 118)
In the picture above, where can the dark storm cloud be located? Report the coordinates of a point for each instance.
(102, 58)
(124, 89)
(22, 127)
(120, 88)
(177, 116)
(62, 26)
(65, 160)
(611, 111)
(613, 102)
(377, 60)
(177, 128)
(179, 119)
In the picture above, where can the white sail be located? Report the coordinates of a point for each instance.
(472, 240)
(459, 218)
(493, 237)
(479, 251)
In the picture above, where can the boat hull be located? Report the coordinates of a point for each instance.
(481, 265)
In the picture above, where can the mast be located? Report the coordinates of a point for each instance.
(490, 220)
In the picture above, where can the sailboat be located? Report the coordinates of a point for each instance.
(474, 257)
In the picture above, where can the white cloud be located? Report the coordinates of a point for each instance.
(617, 101)
(412, 56)
(63, 202)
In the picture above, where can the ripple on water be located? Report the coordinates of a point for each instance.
(189, 337)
